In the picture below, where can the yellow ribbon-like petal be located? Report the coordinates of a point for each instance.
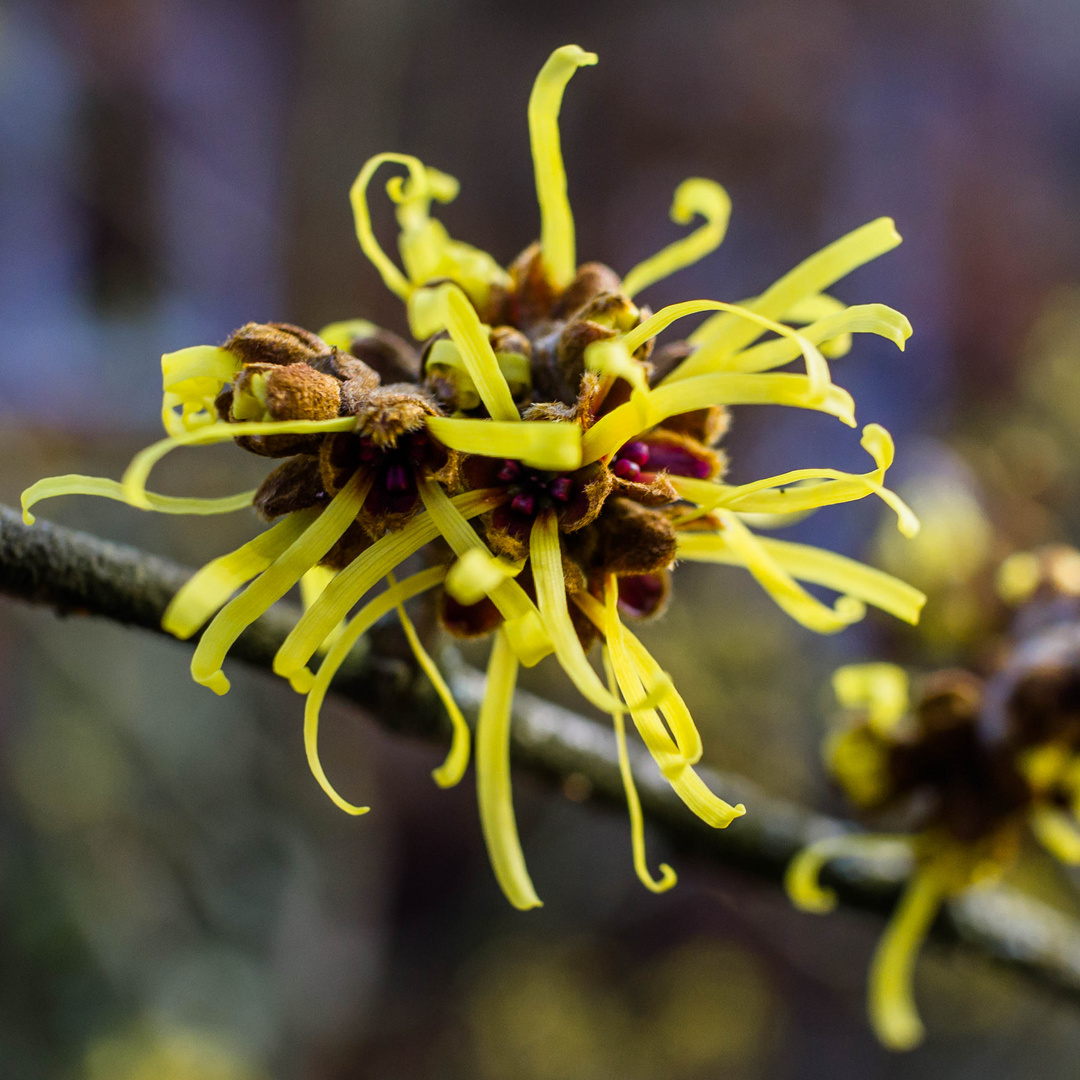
(693, 197)
(881, 689)
(557, 243)
(668, 877)
(816, 566)
(727, 334)
(551, 445)
(493, 786)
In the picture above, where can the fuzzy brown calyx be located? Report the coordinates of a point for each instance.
(275, 343)
(391, 357)
(627, 539)
(296, 484)
(281, 392)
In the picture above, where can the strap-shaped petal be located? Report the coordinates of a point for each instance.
(493, 787)
(557, 243)
(816, 566)
(357, 626)
(801, 490)
(209, 588)
(668, 877)
(802, 879)
(74, 484)
(361, 575)
(727, 334)
(274, 582)
(471, 338)
(138, 472)
(541, 444)
(891, 994)
(523, 624)
(879, 688)
(693, 197)
(646, 410)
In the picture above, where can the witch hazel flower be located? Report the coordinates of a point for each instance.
(537, 430)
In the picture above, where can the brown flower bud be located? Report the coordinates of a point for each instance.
(392, 358)
(632, 539)
(275, 343)
(295, 484)
(591, 280)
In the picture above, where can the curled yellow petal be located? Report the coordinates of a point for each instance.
(726, 334)
(361, 575)
(209, 588)
(74, 484)
(879, 688)
(541, 444)
(493, 787)
(191, 379)
(805, 489)
(274, 582)
(524, 627)
(453, 768)
(1057, 832)
(394, 279)
(341, 335)
(357, 626)
(471, 338)
(802, 879)
(891, 993)
(646, 410)
(817, 369)
(668, 878)
(694, 197)
(877, 319)
(557, 243)
(545, 552)
(476, 574)
(138, 472)
(817, 566)
(782, 587)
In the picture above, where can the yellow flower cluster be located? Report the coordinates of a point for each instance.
(564, 458)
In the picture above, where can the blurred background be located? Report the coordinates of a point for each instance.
(177, 898)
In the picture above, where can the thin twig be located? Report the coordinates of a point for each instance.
(79, 574)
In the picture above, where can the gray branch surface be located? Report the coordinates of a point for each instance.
(78, 574)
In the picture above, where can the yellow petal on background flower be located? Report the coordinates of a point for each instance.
(202, 594)
(804, 489)
(1057, 831)
(668, 878)
(817, 566)
(817, 368)
(726, 334)
(551, 445)
(803, 874)
(453, 768)
(694, 197)
(357, 626)
(476, 574)
(274, 582)
(646, 410)
(557, 244)
(879, 688)
(612, 359)
(805, 609)
(877, 319)
(472, 340)
(891, 997)
(394, 279)
(341, 335)
(74, 484)
(138, 472)
(362, 574)
(493, 787)
(524, 627)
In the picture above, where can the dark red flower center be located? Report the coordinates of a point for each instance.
(532, 490)
(395, 470)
